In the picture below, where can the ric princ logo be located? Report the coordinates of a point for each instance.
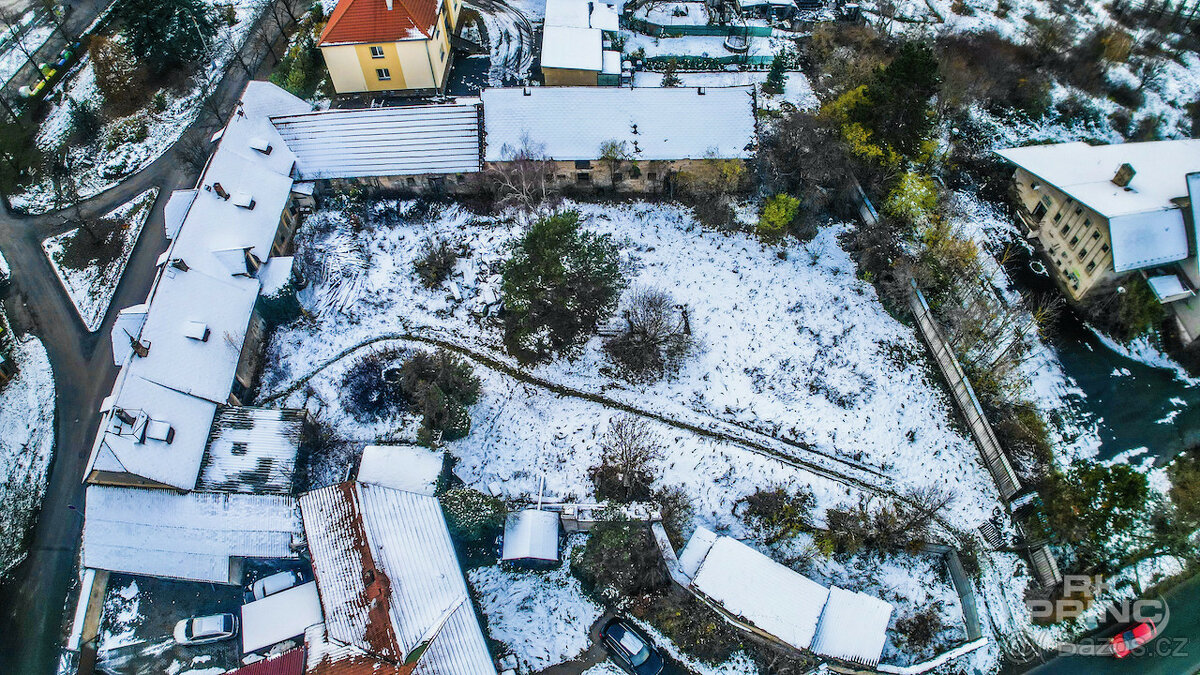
(1142, 621)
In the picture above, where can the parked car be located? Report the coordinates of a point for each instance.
(200, 630)
(630, 649)
(1123, 644)
(270, 585)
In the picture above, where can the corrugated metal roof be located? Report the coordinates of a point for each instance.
(184, 536)
(409, 140)
(531, 535)
(369, 542)
(287, 663)
(365, 21)
(853, 627)
(252, 450)
(571, 123)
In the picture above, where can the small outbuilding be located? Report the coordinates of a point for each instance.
(277, 617)
(411, 468)
(531, 538)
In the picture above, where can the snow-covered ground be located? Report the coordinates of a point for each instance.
(13, 55)
(26, 446)
(91, 289)
(543, 617)
(114, 155)
(701, 45)
(796, 90)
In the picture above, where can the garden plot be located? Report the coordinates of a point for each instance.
(90, 264)
(26, 446)
(794, 348)
(543, 617)
(701, 45)
(127, 144)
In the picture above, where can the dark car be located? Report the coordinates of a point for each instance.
(630, 649)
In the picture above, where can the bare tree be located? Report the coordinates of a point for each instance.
(627, 452)
(524, 177)
(614, 153)
(654, 338)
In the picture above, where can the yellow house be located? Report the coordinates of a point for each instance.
(390, 45)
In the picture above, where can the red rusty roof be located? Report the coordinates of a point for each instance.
(287, 663)
(368, 21)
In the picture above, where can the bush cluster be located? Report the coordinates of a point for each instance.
(775, 514)
(438, 386)
(620, 560)
(472, 517)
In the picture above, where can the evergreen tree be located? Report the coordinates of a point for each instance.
(559, 284)
(896, 107)
(118, 75)
(670, 79)
(774, 83)
(168, 33)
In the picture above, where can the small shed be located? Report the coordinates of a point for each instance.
(277, 617)
(531, 538)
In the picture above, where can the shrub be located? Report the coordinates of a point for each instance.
(435, 262)
(85, 121)
(628, 451)
(653, 339)
(1079, 110)
(913, 199)
(471, 516)
(917, 632)
(440, 386)
(619, 560)
(677, 513)
(119, 76)
(776, 514)
(1092, 505)
(1126, 95)
(670, 78)
(559, 283)
(694, 627)
(777, 217)
(775, 76)
(366, 394)
(129, 130)
(1138, 311)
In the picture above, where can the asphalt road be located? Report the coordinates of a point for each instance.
(33, 596)
(1176, 651)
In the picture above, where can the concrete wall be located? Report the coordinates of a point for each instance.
(1074, 238)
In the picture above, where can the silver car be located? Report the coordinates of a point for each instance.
(200, 630)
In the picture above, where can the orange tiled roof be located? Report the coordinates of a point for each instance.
(365, 21)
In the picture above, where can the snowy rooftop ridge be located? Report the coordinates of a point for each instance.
(190, 536)
(390, 581)
(571, 123)
(780, 601)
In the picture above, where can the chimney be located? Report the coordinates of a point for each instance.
(221, 192)
(179, 264)
(142, 350)
(1124, 175)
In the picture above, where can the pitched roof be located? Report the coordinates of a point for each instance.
(189, 536)
(287, 663)
(389, 579)
(397, 141)
(853, 627)
(252, 450)
(571, 123)
(367, 21)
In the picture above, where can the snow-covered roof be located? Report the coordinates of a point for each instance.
(176, 209)
(1168, 287)
(695, 550)
(774, 598)
(128, 324)
(263, 99)
(396, 141)
(612, 62)
(189, 536)
(274, 276)
(746, 4)
(171, 458)
(278, 617)
(571, 123)
(403, 467)
(581, 14)
(1145, 221)
(853, 627)
(531, 534)
(389, 580)
(571, 48)
(203, 366)
(252, 450)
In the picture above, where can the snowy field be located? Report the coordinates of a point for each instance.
(97, 167)
(796, 90)
(12, 51)
(92, 288)
(794, 352)
(26, 446)
(543, 617)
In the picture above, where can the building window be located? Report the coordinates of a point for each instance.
(1074, 240)
(383, 74)
(1095, 235)
(1104, 248)
(652, 176)
(377, 52)
(1058, 216)
(1091, 266)
(583, 177)
(1083, 254)
(1087, 222)
(442, 52)
(583, 164)
(1065, 229)
(1078, 210)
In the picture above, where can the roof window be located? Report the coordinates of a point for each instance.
(244, 200)
(261, 145)
(196, 330)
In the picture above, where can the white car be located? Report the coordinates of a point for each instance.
(200, 630)
(280, 581)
